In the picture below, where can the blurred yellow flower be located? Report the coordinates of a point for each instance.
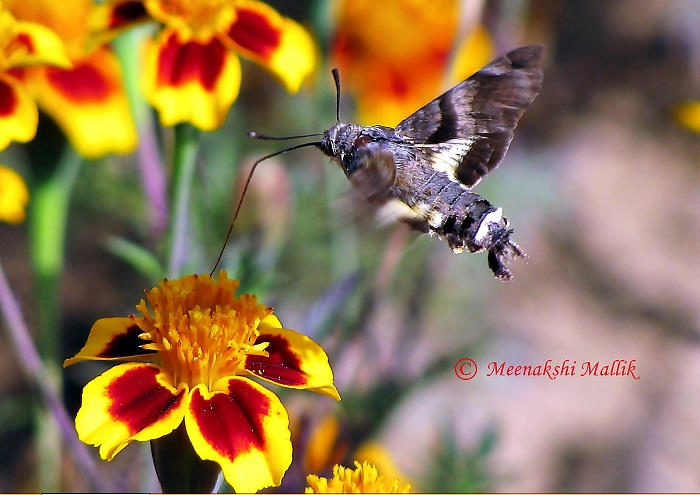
(323, 447)
(329, 442)
(363, 479)
(194, 351)
(22, 44)
(13, 196)
(688, 115)
(87, 99)
(397, 58)
(375, 454)
(192, 73)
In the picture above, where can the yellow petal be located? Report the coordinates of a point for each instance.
(126, 403)
(277, 43)
(68, 18)
(89, 103)
(190, 80)
(18, 113)
(111, 339)
(13, 196)
(29, 43)
(322, 445)
(293, 360)
(245, 429)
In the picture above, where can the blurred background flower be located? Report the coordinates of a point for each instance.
(688, 115)
(13, 196)
(87, 100)
(191, 70)
(396, 56)
(22, 44)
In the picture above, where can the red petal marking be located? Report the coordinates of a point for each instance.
(127, 12)
(125, 344)
(24, 40)
(138, 400)
(399, 84)
(179, 64)
(253, 31)
(283, 366)
(8, 99)
(82, 84)
(232, 423)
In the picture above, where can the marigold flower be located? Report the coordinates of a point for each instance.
(363, 479)
(398, 59)
(195, 349)
(13, 196)
(192, 73)
(87, 99)
(22, 44)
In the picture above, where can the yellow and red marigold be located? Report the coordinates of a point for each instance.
(192, 73)
(86, 97)
(22, 44)
(195, 351)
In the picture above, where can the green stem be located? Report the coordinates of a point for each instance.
(184, 160)
(47, 224)
(179, 467)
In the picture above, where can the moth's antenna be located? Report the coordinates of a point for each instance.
(336, 78)
(256, 135)
(245, 189)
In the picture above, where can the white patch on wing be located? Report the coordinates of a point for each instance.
(445, 157)
(489, 218)
(435, 219)
(422, 209)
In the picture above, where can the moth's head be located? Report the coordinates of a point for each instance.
(334, 138)
(329, 143)
(338, 141)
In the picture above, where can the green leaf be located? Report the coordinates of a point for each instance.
(143, 260)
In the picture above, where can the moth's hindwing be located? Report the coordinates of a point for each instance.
(469, 128)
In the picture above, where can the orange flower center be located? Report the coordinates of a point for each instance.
(197, 17)
(363, 479)
(201, 330)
